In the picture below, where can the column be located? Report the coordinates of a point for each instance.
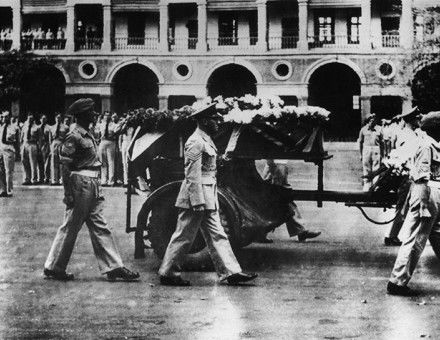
(70, 29)
(406, 31)
(365, 34)
(16, 26)
(262, 24)
(407, 104)
(163, 102)
(365, 107)
(303, 24)
(202, 21)
(107, 28)
(106, 103)
(163, 23)
(302, 101)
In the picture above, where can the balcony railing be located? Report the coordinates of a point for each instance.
(232, 43)
(281, 43)
(390, 40)
(134, 43)
(43, 44)
(5, 44)
(88, 43)
(182, 44)
(333, 41)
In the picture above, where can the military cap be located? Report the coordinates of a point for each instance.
(81, 106)
(411, 114)
(208, 111)
(430, 121)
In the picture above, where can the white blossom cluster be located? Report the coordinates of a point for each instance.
(246, 109)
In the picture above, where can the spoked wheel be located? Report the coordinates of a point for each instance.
(160, 223)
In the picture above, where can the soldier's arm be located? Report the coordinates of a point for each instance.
(421, 176)
(193, 172)
(66, 151)
(361, 140)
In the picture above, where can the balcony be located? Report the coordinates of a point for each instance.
(135, 43)
(88, 43)
(182, 44)
(333, 41)
(232, 43)
(43, 44)
(282, 43)
(390, 40)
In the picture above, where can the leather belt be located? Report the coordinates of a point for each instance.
(87, 173)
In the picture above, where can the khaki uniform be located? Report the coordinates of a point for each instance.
(84, 203)
(199, 188)
(416, 229)
(58, 133)
(126, 138)
(29, 152)
(44, 145)
(8, 141)
(370, 141)
(107, 151)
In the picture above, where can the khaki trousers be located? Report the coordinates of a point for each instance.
(45, 163)
(85, 205)
(55, 165)
(29, 158)
(124, 153)
(370, 163)
(416, 231)
(188, 223)
(7, 157)
(295, 223)
(107, 153)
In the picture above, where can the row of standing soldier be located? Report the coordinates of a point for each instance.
(37, 144)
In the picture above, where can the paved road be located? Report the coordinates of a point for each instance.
(329, 288)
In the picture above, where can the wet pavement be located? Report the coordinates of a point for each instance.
(332, 287)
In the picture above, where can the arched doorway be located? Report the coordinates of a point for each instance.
(336, 87)
(426, 88)
(232, 80)
(135, 86)
(43, 91)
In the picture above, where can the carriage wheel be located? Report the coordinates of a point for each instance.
(161, 224)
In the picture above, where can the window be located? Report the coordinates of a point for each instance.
(253, 27)
(353, 29)
(227, 29)
(289, 32)
(193, 33)
(136, 29)
(325, 27)
(390, 25)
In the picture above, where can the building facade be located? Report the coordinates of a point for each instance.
(350, 56)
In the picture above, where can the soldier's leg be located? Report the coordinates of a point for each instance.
(47, 161)
(26, 164)
(188, 223)
(124, 153)
(375, 161)
(103, 243)
(418, 231)
(111, 153)
(33, 154)
(3, 188)
(295, 224)
(74, 218)
(401, 209)
(218, 244)
(366, 167)
(9, 162)
(55, 164)
(434, 236)
(102, 153)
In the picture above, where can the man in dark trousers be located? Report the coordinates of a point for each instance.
(84, 203)
(198, 204)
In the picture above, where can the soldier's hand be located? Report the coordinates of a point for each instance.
(200, 207)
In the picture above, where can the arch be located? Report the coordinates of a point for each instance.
(425, 87)
(122, 64)
(231, 80)
(63, 71)
(329, 60)
(249, 66)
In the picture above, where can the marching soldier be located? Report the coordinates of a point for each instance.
(44, 144)
(84, 203)
(58, 133)
(198, 204)
(107, 149)
(30, 135)
(9, 136)
(370, 140)
(423, 218)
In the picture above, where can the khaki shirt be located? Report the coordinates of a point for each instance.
(113, 129)
(426, 161)
(200, 184)
(63, 130)
(12, 132)
(370, 137)
(44, 135)
(34, 135)
(79, 150)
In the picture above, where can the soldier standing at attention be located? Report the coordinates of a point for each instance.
(125, 138)
(198, 204)
(370, 139)
(30, 135)
(84, 203)
(9, 135)
(107, 149)
(44, 144)
(57, 134)
(423, 218)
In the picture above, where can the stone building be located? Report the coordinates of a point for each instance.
(349, 56)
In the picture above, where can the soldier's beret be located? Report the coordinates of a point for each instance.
(208, 111)
(81, 106)
(430, 121)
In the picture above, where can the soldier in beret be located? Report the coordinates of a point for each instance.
(198, 204)
(423, 218)
(84, 203)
